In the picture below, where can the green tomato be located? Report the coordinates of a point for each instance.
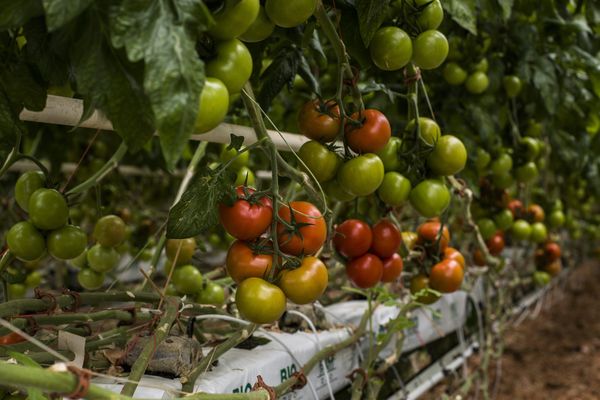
(430, 198)
(261, 28)
(430, 49)
(48, 209)
(487, 228)
(390, 48)
(362, 175)
(521, 230)
(102, 259)
(539, 233)
(322, 162)
(395, 189)
(482, 160)
(430, 130)
(25, 241)
(90, 279)
(234, 18)
(541, 278)
(503, 180)
(534, 129)
(431, 16)
(28, 183)
(67, 242)
(242, 159)
(512, 85)
(290, 13)
(530, 148)
(187, 279)
(244, 176)
(454, 74)
(259, 301)
(334, 190)
(232, 65)
(501, 165)
(477, 82)
(171, 291)
(80, 261)
(213, 105)
(449, 156)
(211, 293)
(481, 66)
(389, 154)
(34, 279)
(556, 218)
(527, 173)
(504, 219)
(16, 291)
(110, 231)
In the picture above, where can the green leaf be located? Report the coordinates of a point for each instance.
(545, 80)
(59, 12)
(463, 12)
(15, 13)
(174, 74)
(371, 14)
(21, 87)
(197, 211)
(48, 51)
(236, 142)
(352, 39)
(10, 125)
(195, 15)
(506, 6)
(104, 80)
(280, 73)
(307, 75)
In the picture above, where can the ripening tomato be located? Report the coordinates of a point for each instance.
(428, 235)
(429, 129)
(390, 48)
(25, 242)
(552, 251)
(11, 338)
(430, 198)
(450, 253)
(212, 106)
(479, 258)
(232, 65)
(183, 249)
(417, 284)
(260, 29)
(361, 175)
(554, 268)
(308, 236)
(454, 74)
(409, 239)
(234, 18)
(319, 160)
(395, 189)
(290, 13)
(28, 183)
(512, 85)
(365, 271)
(386, 239)
(392, 268)
(430, 49)
(446, 276)
(306, 283)
(495, 244)
(449, 156)
(516, 207)
(259, 301)
(368, 132)
(318, 121)
(248, 217)
(352, 238)
(242, 262)
(477, 82)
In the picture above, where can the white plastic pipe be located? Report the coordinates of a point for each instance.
(67, 111)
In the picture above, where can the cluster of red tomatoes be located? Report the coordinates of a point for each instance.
(547, 258)
(371, 252)
(448, 269)
(300, 231)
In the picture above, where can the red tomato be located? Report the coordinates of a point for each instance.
(536, 212)
(479, 258)
(319, 122)
(446, 276)
(11, 338)
(450, 253)
(392, 268)
(516, 207)
(429, 232)
(365, 271)
(309, 232)
(371, 135)
(386, 239)
(552, 251)
(495, 244)
(352, 238)
(247, 218)
(553, 268)
(242, 262)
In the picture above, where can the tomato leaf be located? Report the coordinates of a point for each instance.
(174, 74)
(371, 14)
(352, 39)
(463, 12)
(48, 52)
(16, 13)
(59, 12)
(545, 80)
(105, 80)
(506, 6)
(21, 87)
(280, 73)
(197, 211)
(9, 125)
(236, 142)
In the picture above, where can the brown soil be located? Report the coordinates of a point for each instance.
(555, 356)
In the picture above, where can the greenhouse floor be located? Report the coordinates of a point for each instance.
(556, 355)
